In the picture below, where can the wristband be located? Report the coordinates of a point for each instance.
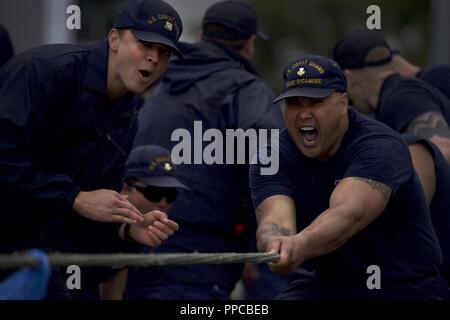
(126, 233)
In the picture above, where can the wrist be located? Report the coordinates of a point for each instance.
(301, 246)
(77, 202)
(72, 195)
(263, 242)
(127, 233)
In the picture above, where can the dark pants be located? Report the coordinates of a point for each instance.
(308, 287)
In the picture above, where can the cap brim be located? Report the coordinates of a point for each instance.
(262, 35)
(318, 93)
(156, 38)
(164, 182)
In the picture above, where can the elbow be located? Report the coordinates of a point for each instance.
(357, 224)
(443, 144)
(356, 221)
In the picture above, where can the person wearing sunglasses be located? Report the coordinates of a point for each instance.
(151, 185)
(149, 196)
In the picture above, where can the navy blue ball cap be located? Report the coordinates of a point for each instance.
(313, 77)
(237, 16)
(151, 21)
(362, 48)
(153, 166)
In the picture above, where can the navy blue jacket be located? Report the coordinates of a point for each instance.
(59, 134)
(219, 87)
(6, 48)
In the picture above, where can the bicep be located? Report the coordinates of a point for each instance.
(361, 199)
(429, 124)
(434, 127)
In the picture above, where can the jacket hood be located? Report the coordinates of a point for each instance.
(212, 57)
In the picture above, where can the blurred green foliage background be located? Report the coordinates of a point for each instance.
(313, 27)
(417, 28)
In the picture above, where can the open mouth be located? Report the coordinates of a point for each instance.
(145, 74)
(309, 135)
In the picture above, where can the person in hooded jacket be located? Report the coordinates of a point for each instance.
(216, 84)
(6, 47)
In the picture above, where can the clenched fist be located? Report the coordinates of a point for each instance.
(154, 230)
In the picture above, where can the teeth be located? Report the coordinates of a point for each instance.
(307, 128)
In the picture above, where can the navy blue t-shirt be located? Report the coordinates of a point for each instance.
(402, 99)
(440, 204)
(438, 76)
(401, 240)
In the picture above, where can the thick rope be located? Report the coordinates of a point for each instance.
(18, 260)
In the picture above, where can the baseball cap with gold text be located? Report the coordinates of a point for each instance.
(313, 77)
(152, 21)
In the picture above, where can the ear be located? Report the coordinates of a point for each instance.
(344, 102)
(125, 189)
(349, 75)
(114, 39)
(248, 50)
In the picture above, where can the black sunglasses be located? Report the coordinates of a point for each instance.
(156, 194)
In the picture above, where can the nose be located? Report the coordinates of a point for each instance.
(304, 113)
(153, 55)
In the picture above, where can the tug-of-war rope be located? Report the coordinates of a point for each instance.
(19, 260)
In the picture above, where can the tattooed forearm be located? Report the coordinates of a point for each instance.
(429, 124)
(267, 231)
(382, 188)
(281, 231)
(271, 228)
